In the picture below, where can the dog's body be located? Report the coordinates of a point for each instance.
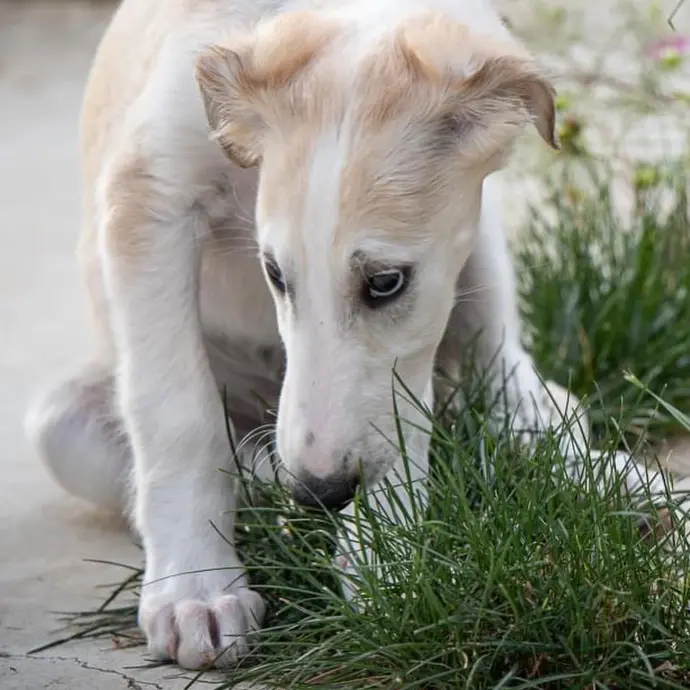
(375, 124)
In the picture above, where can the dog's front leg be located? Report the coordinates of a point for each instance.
(195, 606)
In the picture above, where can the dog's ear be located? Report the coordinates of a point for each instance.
(241, 85)
(488, 88)
(226, 89)
(504, 89)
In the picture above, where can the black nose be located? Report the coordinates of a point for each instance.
(333, 493)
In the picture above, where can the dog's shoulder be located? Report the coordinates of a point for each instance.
(141, 91)
(145, 138)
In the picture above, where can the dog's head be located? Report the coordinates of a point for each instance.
(372, 152)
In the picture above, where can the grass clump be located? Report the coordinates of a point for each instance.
(601, 295)
(518, 579)
(522, 582)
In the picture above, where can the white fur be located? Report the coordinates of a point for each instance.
(192, 314)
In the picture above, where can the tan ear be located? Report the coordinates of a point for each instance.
(242, 85)
(226, 93)
(503, 84)
(485, 81)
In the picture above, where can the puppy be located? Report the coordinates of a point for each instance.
(286, 201)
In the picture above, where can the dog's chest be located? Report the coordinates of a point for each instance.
(250, 377)
(236, 303)
(240, 331)
(237, 310)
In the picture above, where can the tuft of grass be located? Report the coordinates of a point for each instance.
(517, 578)
(522, 581)
(601, 296)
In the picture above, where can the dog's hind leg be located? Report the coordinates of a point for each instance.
(77, 430)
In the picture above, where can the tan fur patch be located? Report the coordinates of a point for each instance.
(286, 173)
(128, 197)
(255, 81)
(436, 64)
(393, 188)
(284, 46)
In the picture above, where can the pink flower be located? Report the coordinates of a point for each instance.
(660, 48)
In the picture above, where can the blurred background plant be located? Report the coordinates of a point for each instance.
(622, 73)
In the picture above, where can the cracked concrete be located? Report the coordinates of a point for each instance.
(45, 536)
(59, 672)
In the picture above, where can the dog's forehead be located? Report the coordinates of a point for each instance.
(351, 183)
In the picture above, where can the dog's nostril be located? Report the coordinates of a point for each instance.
(333, 493)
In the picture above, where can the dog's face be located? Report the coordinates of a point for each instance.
(369, 197)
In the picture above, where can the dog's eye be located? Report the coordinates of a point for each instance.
(275, 275)
(384, 286)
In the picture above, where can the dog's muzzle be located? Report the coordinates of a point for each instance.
(332, 493)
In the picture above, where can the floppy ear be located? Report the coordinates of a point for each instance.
(226, 90)
(507, 86)
(243, 84)
(488, 87)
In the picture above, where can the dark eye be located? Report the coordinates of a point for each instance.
(384, 286)
(275, 275)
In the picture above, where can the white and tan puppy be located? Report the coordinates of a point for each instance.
(282, 200)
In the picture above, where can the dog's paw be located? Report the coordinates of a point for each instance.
(199, 633)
